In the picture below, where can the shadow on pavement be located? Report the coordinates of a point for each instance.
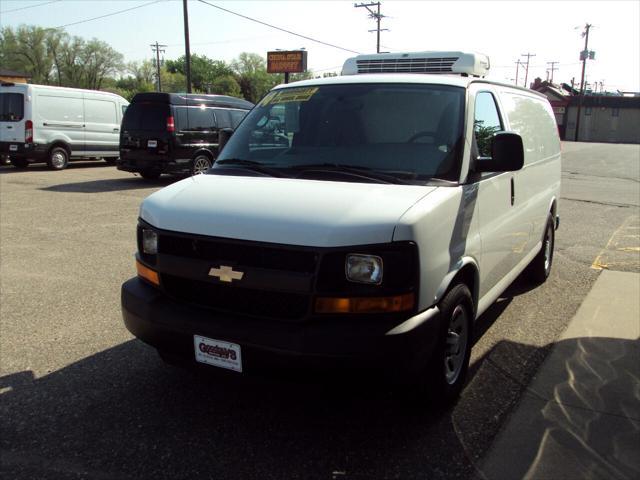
(123, 414)
(42, 167)
(112, 185)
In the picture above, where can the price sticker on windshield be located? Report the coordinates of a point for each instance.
(289, 95)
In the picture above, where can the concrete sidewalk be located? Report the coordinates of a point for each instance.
(580, 416)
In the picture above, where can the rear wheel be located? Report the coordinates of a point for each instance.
(540, 266)
(19, 162)
(150, 174)
(201, 163)
(58, 158)
(447, 369)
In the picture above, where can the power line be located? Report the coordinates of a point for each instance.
(108, 14)
(278, 28)
(526, 74)
(30, 6)
(158, 49)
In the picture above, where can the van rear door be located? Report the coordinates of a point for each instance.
(12, 112)
(147, 131)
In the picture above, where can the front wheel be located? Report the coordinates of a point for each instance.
(540, 266)
(447, 369)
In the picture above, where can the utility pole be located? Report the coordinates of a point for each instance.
(187, 50)
(553, 68)
(518, 63)
(526, 75)
(375, 15)
(583, 56)
(158, 49)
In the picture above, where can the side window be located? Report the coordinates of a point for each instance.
(181, 118)
(236, 117)
(201, 119)
(124, 109)
(223, 117)
(486, 123)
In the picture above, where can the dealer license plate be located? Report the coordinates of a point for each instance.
(13, 148)
(152, 143)
(218, 353)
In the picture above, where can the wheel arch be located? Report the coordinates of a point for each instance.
(59, 143)
(204, 151)
(466, 271)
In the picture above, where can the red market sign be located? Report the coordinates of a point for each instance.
(294, 61)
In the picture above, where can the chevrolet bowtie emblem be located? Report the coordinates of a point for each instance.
(226, 274)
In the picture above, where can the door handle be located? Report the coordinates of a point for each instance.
(116, 129)
(513, 192)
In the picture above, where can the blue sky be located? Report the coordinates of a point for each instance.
(502, 29)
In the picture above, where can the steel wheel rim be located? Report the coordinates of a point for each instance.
(547, 250)
(58, 159)
(456, 344)
(200, 165)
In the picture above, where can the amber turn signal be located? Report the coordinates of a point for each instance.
(398, 303)
(148, 274)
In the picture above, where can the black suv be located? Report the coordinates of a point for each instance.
(175, 133)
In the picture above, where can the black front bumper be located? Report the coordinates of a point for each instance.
(331, 343)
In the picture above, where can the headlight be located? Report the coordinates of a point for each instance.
(364, 268)
(149, 241)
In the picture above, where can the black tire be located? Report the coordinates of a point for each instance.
(540, 267)
(150, 174)
(19, 162)
(58, 158)
(446, 372)
(200, 164)
(111, 160)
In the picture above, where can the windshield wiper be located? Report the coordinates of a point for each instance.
(354, 170)
(249, 165)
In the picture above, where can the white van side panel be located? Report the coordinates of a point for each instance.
(539, 180)
(102, 125)
(59, 116)
(445, 227)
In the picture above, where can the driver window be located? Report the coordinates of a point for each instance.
(486, 123)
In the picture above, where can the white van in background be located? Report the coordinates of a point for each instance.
(41, 123)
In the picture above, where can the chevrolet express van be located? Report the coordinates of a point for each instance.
(41, 123)
(409, 193)
(176, 133)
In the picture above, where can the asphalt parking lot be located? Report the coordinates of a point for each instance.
(80, 398)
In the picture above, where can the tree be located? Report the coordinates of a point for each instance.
(252, 76)
(204, 71)
(99, 60)
(226, 85)
(25, 49)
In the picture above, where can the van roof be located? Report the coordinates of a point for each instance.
(438, 79)
(36, 87)
(194, 99)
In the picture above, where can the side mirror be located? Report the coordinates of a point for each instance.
(223, 137)
(507, 154)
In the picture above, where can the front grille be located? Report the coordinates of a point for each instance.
(246, 254)
(236, 300)
(407, 65)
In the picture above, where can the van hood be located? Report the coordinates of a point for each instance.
(285, 211)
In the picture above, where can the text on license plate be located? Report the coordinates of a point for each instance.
(152, 143)
(218, 353)
(13, 148)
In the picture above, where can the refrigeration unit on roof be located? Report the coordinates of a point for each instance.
(452, 63)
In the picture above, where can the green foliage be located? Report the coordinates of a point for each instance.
(484, 137)
(204, 70)
(226, 85)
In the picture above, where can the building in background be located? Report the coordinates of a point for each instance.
(11, 76)
(614, 119)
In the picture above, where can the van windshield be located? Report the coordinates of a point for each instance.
(411, 132)
(145, 116)
(11, 107)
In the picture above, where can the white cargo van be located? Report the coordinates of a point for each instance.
(41, 123)
(363, 220)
